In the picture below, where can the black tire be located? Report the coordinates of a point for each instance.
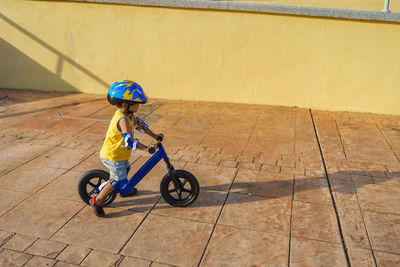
(89, 181)
(189, 194)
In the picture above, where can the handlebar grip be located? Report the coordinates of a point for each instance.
(151, 150)
(159, 138)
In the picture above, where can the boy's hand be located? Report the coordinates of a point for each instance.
(141, 125)
(152, 148)
(159, 137)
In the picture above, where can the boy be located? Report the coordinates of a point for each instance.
(119, 143)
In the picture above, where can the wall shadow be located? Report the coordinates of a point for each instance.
(18, 62)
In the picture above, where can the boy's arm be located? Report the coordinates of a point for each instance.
(142, 126)
(125, 129)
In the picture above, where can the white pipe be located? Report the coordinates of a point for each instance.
(386, 9)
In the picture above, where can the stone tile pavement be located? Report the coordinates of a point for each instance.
(279, 186)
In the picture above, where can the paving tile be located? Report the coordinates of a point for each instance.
(290, 170)
(87, 230)
(361, 257)
(312, 190)
(307, 253)
(40, 261)
(249, 166)
(129, 261)
(84, 141)
(101, 258)
(263, 184)
(213, 177)
(86, 109)
(228, 163)
(345, 194)
(5, 236)
(183, 137)
(227, 153)
(157, 264)
(361, 180)
(158, 120)
(40, 121)
(247, 157)
(29, 178)
(257, 213)
(74, 125)
(280, 145)
(11, 135)
(286, 163)
(315, 171)
(10, 199)
(99, 128)
(188, 238)
(63, 264)
(363, 184)
(6, 167)
(46, 248)
(104, 114)
(383, 230)
(64, 187)
(270, 159)
(223, 141)
(386, 182)
(315, 221)
(387, 259)
(19, 242)
(143, 201)
(61, 158)
(73, 254)
(270, 168)
(13, 258)
(206, 208)
(230, 246)
(52, 138)
(22, 152)
(39, 216)
(376, 197)
(353, 227)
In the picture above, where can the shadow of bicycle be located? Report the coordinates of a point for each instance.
(314, 188)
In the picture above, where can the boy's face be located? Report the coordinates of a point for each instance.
(134, 108)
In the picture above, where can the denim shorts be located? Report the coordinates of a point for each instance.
(118, 169)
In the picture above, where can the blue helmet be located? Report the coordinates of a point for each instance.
(126, 91)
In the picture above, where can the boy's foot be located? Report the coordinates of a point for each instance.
(97, 208)
(130, 194)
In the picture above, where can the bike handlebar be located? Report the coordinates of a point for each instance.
(152, 149)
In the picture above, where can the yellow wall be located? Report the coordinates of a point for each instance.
(367, 5)
(206, 55)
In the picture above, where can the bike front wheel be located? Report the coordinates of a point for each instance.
(89, 184)
(183, 192)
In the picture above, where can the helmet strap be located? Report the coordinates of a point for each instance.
(130, 113)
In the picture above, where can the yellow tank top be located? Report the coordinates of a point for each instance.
(112, 149)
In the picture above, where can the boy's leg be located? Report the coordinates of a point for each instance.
(115, 168)
(107, 189)
(134, 190)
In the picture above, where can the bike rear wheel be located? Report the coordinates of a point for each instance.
(90, 181)
(189, 192)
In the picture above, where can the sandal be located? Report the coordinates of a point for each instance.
(130, 194)
(97, 208)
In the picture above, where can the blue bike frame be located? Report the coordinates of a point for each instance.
(143, 171)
